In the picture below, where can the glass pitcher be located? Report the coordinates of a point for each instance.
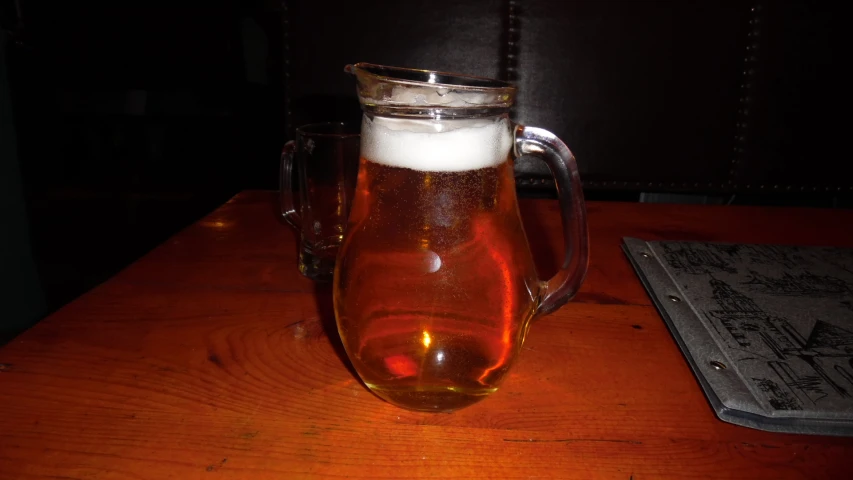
(435, 286)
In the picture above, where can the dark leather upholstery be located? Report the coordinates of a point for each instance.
(704, 96)
(641, 91)
(437, 34)
(796, 133)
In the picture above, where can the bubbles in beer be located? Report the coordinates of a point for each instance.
(436, 146)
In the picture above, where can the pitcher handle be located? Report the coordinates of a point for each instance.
(285, 186)
(566, 282)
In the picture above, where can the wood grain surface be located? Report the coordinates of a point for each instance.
(212, 357)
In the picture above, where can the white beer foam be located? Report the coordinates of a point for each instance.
(437, 96)
(436, 146)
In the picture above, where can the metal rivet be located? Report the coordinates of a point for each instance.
(718, 365)
(674, 299)
(645, 255)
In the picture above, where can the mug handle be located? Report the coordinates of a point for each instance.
(285, 186)
(566, 282)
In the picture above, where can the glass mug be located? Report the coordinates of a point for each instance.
(326, 158)
(435, 285)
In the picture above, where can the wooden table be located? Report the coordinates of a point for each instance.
(212, 357)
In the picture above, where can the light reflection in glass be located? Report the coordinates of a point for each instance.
(439, 357)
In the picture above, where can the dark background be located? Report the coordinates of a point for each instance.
(123, 122)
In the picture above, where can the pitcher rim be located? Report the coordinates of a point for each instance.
(488, 83)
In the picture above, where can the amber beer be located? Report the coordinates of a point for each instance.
(434, 222)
